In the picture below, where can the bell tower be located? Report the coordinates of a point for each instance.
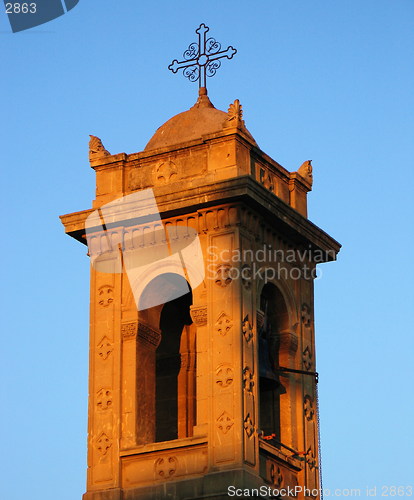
(202, 374)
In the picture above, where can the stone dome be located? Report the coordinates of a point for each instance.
(203, 118)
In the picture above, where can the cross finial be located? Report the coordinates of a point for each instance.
(202, 59)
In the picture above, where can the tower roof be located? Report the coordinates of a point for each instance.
(201, 119)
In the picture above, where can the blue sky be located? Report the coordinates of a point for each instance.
(321, 80)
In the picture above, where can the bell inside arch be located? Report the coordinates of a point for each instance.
(265, 367)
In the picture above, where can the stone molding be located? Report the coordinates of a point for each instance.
(149, 335)
(146, 334)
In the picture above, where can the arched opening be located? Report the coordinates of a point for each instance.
(171, 391)
(174, 369)
(273, 318)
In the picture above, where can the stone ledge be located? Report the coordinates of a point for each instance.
(164, 446)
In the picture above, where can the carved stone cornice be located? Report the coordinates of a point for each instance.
(241, 189)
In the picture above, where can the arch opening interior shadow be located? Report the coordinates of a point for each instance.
(275, 319)
(175, 379)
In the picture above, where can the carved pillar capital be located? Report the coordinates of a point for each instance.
(199, 315)
(129, 330)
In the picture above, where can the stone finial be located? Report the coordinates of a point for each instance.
(97, 149)
(235, 115)
(305, 170)
(203, 100)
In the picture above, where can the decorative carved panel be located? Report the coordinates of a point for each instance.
(307, 358)
(248, 425)
(308, 408)
(247, 329)
(143, 469)
(306, 315)
(165, 468)
(276, 475)
(224, 375)
(267, 179)
(104, 399)
(223, 275)
(166, 172)
(103, 443)
(223, 324)
(248, 382)
(105, 347)
(225, 422)
(105, 295)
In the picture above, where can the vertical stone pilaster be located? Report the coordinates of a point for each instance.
(249, 365)
(199, 317)
(129, 384)
(225, 358)
(309, 391)
(104, 395)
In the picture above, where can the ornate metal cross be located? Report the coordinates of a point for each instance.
(202, 59)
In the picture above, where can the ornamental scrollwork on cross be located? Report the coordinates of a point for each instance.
(202, 59)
